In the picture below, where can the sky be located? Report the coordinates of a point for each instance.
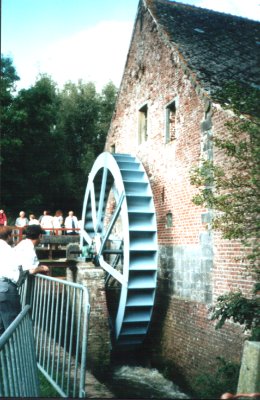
(81, 39)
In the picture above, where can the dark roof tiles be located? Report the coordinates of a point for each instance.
(217, 47)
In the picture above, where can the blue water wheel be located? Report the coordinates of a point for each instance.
(119, 219)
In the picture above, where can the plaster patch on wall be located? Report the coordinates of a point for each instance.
(185, 271)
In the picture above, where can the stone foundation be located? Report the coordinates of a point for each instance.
(249, 377)
(98, 353)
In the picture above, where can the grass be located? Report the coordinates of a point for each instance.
(46, 389)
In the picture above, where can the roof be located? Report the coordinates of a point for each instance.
(216, 47)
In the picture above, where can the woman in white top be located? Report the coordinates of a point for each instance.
(33, 220)
(57, 222)
(47, 223)
(21, 221)
(71, 223)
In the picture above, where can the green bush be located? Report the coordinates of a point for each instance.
(240, 309)
(224, 380)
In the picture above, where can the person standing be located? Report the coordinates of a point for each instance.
(33, 220)
(3, 218)
(15, 264)
(9, 273)
(41, 216)
(47, 223)
(71, 223)
(25, 250)
(21, 221)
(57, 222)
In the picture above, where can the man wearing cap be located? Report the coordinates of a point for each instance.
(15, 263)
(25, 253)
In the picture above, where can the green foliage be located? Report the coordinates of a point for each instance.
(225, 379)
(34, 160)
(240, 309)
(8, 78)
(7, 85)
(83, 119)
(232, 190)
(49, 141)
(241, 98)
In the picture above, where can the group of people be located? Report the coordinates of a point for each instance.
(15, 264)
(50, 223)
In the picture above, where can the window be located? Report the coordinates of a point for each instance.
(142, 124)
(170, 132)
(169, 222)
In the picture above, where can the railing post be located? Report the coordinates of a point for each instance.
(20, 234)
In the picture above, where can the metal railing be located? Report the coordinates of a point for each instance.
(18, 235)
(60, 314)
(18, 366)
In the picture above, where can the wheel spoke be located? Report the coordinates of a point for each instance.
(101, 200)
(112, 222)
(116, 274)
(118, 257)
(93, 206)
(86, 236)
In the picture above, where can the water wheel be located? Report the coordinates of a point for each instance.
(119, 220)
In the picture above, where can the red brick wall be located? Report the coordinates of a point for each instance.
(168, 165)
(231, 270)
(194, 344)
(155, 74)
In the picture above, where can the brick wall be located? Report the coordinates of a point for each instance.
(184, 339)
(195, 264)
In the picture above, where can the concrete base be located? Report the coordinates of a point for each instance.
(249, 377)
(98, 354)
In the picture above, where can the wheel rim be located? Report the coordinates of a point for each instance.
(119, 217)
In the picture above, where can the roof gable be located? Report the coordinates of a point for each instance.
(216, 47)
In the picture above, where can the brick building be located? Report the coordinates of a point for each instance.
(166, 114)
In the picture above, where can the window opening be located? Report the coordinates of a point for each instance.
(170, 122)
(169, 222)
(142, 125)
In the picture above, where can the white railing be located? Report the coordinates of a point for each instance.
(18, 367)
(60, 314)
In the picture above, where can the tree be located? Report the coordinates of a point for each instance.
(232, 191)
(107, 105)
(7, 81)
(34, 175)
(7, 140)
(49, 141)
(83, 118)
